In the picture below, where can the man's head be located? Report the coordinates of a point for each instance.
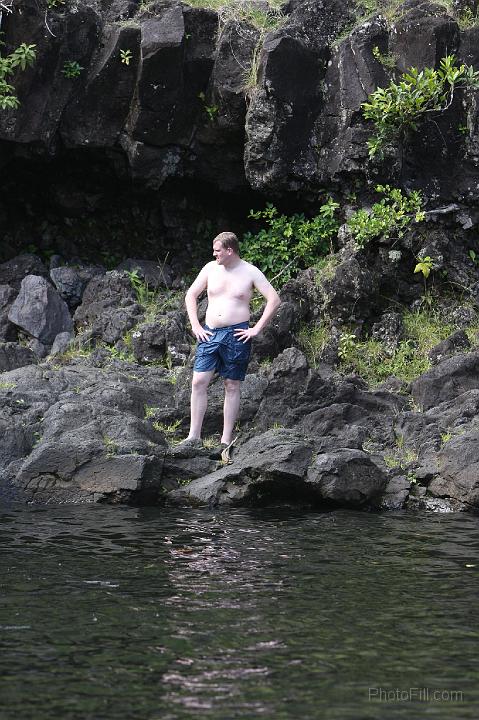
(225, 248)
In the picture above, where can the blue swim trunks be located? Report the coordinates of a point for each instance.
(224, 353)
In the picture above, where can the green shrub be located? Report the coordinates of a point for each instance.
(400, 107)
(289, 243)
(387, 218)
(72, 69)
(21, 58)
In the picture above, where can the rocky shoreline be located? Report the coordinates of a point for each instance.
(142, 129)
(93, 414)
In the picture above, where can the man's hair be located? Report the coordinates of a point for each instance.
(228, 240)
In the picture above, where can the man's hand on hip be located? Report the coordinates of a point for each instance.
(201, 334)
(245, 334)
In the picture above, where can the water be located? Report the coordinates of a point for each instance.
(118, 613)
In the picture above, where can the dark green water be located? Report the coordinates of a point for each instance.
(122, 613)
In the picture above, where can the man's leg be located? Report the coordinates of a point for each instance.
(199, 401)
(231, 408)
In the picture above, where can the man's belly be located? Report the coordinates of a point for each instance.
(221, 313)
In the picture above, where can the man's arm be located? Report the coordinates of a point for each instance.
(273, 301)
(191, 302)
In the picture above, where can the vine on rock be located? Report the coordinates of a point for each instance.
(400, 107)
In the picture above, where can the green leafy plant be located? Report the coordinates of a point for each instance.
(474, 258)
(21, 58)
(110, 445)
(55, 3)
(424, 266)
(72, 69)
(289, 243)
(126, 56)
(400, 107)
(347, 343)
(210, 110)
(389, 217)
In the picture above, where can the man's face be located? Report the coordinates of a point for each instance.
(219, 253)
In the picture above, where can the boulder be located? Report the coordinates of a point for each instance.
(39, 310)
(452, 345)
(92, 452)
(395, 494)
(447, 380)
(15, 356)
(458, 476)
(71, 282)
(61, 343)
(349, 478)
(268, 469)
(109, 306)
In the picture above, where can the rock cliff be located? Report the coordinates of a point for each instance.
(143, 129)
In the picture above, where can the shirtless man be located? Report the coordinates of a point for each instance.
(224, 342)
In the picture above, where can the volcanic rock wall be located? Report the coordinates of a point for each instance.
(161, 151)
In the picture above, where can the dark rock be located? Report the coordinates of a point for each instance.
(39, 310)
(93, 451)
(388, 330)
(291, 385)
(270, 468)
(395, 493)
(7, 329)
(15, 356)
(109, 306)
(72, 38)
(346, 477)
(278, 334)
(61, 343)
(455, 343)
(458, 462)
(149, 342)
(445, 381)
(340, 135)
(219, 141)
(279, 152)
(71, 282)
(349, 295)
(40, 350)
(424, 34)
(97, 114)
(185, 465)
(14, 271)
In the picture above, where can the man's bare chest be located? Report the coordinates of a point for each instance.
(229, 286)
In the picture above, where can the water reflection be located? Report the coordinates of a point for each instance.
(142, 613)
